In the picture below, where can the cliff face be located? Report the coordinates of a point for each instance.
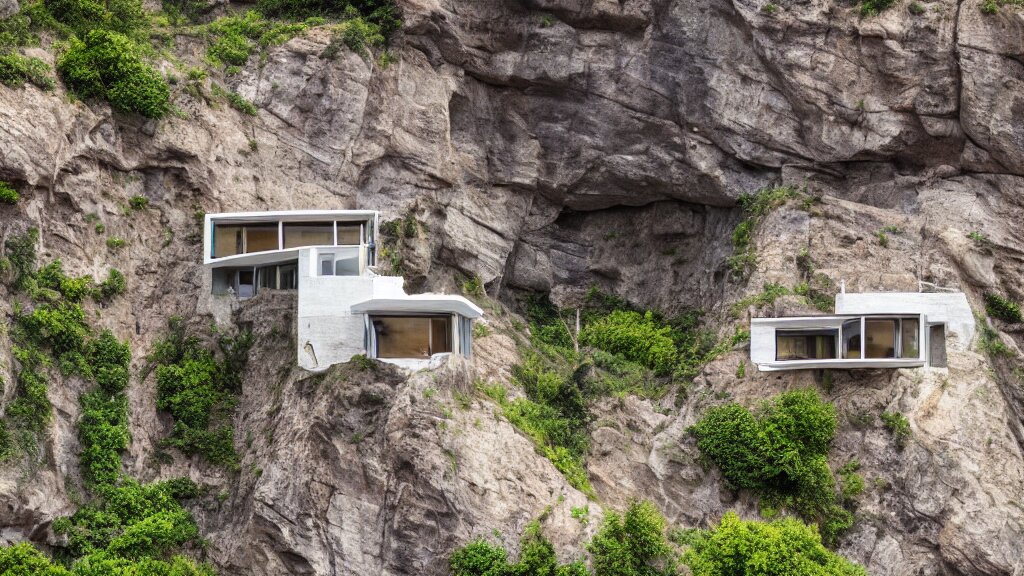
(551, 145)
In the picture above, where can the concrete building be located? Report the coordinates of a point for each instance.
(344, 306)
(868, 330)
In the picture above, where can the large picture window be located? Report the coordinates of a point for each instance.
(910, 337)
(805, 344)
(851, 339)
(297, 235)
(412, 336)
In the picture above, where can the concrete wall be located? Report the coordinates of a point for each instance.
(328, 333)
(951, 309)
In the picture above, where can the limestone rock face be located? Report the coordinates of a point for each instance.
(551, 146)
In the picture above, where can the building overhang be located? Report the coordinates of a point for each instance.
(420, 304)
(840, 364)
(292, 216)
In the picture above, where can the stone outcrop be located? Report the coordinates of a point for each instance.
(552, 145)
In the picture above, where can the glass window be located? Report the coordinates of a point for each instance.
(851, 339)
(227, 240)
(412, 336)
(260, 238)
(327, 264)
(347, 262)
(910, 334)
(880, 338)
(297, 235)
(289, 277)
(267, 276)
(349, 234)
(440, 335)
(805, 344)
(245, 285)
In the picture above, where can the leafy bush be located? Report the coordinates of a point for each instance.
(138, 202)
(779, 452)
(636, 336)
(234, 38)
(16, 69)
(633, 543)
(536, 557)
(114, 285)
(8, 195)
(785, 546)
(897, 425)
(1002, 308)
(21, 253)
(116, 243)
(236, 100)
(383, 14)
(199, 390)
(874, 7)
(108, 65)
(103, 432)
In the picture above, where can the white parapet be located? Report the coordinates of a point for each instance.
(951, 309)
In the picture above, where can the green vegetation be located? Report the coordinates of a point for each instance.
(1002, 308)
(916, 8)
(851, 482)
(769, 8)
(874, 7)
(780, 452)
(108, 65)
(637, 337)
(16, 69)
(618, 351)
(236, 100)
(8, 195)
(234, 38)
(785, 546)
(536, 556)
(636, 543)
(980, 240)
(116, 243)
(897, 425)
(755, 207)
(138, 202)
(990, 342)
(993, 6)
(383, 15)
(198, 386)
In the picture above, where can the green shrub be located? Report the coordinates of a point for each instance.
(8, 195)
(114, 285)
(851, 482)
(21, 253)
(108, 65)
(874, 7)
(633, 543)
(103, 432)
(780, 452)
(536, 557)
(16, 69)
(752, 548)
(916, 8)
(234, 38)
(1002, 308)
(636, 336)
(116, 243)
(383, 14)
(199, 390)
(897, 425)
(138, 202)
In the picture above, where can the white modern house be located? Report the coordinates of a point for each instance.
(868, 330)
(344, 307)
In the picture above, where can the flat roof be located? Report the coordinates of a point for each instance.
(420, 303)
(292, 215)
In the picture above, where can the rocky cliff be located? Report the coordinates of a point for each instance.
(549, 146)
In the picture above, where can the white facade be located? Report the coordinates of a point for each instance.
(332, 273)
(869, 330)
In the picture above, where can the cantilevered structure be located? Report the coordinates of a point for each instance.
(868, 330)
(344, 307)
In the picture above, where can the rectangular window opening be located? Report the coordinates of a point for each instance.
(805, 344)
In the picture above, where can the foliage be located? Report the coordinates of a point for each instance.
(108, 65)
(780, 548)
(990, 342)
(636, 337)
(851, 482)
(138, 202)
(8, 195)
(21, 253)
(382, 14)
(874, 7)
(234, 38)
(16, 69)
(236, 100)
(755, 207)
(993, 6)
(114, 285)
(536, 557)
(979, 239)
(632, 544)
(198, 386)
(897, 425)
(780, 452)
(768, 295)
(916, 8)
(1002, 308)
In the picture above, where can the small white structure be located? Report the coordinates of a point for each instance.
(869, 330)
(344, 307)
